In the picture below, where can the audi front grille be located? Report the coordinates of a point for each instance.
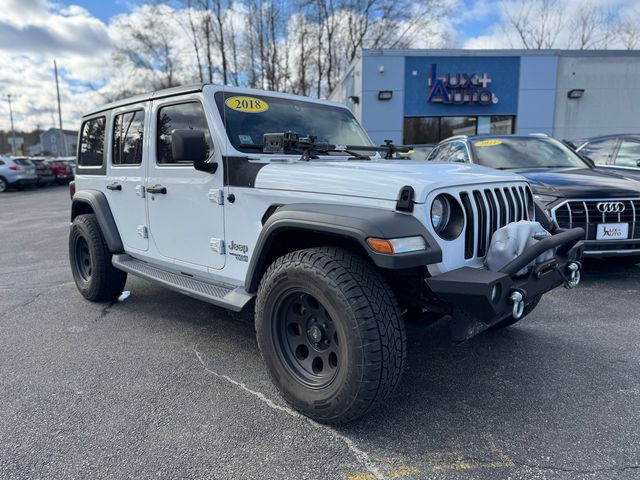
(586, 214)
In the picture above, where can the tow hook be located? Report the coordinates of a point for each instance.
(518, 304)
(574, 275)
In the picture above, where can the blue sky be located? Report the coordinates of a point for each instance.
(103, 10)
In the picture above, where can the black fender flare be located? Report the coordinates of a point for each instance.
(351, 222)
(98, 203)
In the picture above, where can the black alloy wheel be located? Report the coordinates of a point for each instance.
(309, 343)
(329, 330)
(83, 259)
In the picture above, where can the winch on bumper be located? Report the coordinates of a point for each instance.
(481, 298)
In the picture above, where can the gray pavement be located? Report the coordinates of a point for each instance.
(164, 386)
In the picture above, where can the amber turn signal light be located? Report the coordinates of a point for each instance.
(380, 245)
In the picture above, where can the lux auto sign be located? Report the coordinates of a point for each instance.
(459, 88)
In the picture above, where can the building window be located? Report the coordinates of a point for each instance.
(419, 130)
(501, 125)
(92, 143)
(450, 126)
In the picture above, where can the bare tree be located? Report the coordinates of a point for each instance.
(585, 27)
(629, 30)
(535, 23)
(147, 43)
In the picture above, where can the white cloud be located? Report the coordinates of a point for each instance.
(32, 34)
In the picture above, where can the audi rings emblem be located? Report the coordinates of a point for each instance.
(610, 207)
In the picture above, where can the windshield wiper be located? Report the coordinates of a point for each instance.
(310, 148)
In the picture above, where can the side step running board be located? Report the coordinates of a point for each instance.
(223, 296)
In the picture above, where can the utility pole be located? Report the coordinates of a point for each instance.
(13, 132)
(63, 145)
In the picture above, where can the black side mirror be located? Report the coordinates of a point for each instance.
(638, 163)
(190, 146)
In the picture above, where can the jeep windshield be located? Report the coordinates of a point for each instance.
(248, 117)
(524, 152)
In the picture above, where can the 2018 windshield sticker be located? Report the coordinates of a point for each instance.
(247, 104)
(488, 143)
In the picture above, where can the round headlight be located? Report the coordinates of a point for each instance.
(440, 213)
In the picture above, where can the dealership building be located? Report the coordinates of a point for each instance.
(424, 96)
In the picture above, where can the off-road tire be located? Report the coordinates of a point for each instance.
(365, 317)
(96, 278)
(528, 308)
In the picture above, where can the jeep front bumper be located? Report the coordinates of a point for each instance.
(480, 298)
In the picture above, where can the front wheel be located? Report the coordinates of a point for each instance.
(96, 278)
(330, 332)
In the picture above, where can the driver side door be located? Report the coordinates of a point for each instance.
(186, 215)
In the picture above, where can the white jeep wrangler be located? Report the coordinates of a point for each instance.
(243, 197)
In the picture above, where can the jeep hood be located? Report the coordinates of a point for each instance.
(380, 179)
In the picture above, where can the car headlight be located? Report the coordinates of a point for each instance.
(545, 200)
(440, 212)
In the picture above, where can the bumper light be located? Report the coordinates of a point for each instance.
(396, 245)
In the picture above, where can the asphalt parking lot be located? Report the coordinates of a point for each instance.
(160, 385)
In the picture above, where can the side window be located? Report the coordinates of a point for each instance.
(128, 129)
(442, 155)
(600, 151)
(92, 143)
(458, 153)
(181, 116)
(628, 154)
(1, 162)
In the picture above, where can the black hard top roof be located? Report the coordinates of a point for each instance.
(167, 92)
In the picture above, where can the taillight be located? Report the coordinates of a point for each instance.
(72, 189)
(13, 167)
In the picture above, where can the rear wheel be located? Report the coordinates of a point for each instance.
(330, 332)
(96, 278)
(3, 185)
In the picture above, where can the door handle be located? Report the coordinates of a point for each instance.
(114, 186)
(157, 189)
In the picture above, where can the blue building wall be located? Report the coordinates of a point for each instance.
(530, 85)
(536, 99)
(421, 95)
(383, 120)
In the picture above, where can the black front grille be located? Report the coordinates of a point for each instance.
(490, 209)
(585, 214)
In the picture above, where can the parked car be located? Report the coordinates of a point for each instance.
(617, 152)
(330, 241)
(16, 173)
(573, 191)
(62, 170)
(44, 172)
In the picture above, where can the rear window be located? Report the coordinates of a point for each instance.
(22, 161)
(92, 143)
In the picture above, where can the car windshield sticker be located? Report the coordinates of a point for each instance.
(245, 139)
(487, 143)
(247, 104)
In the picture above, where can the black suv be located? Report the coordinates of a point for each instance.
(572, 190)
